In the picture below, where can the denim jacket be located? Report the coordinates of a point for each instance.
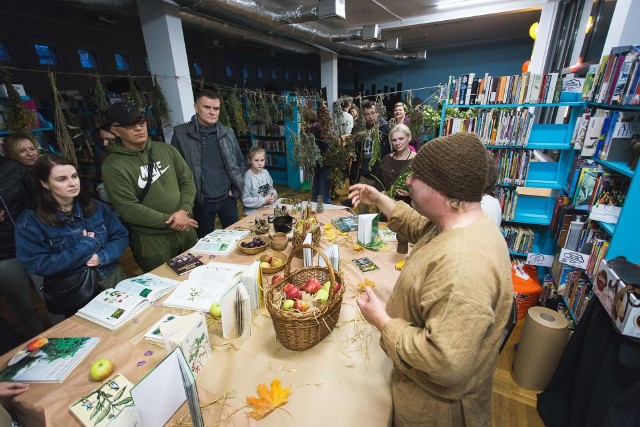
(54, 249)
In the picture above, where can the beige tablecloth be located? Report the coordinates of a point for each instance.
(342, 381)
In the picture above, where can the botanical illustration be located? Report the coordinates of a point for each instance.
(106, 404)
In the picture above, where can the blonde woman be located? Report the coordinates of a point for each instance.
(400, 118)
(394, 164)
(22, 148)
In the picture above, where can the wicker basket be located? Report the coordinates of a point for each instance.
(279, 241)
(253, 251)
(300, 331)
(271, 270)
(298, 240)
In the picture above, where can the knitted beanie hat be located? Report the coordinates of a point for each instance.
(455, 165)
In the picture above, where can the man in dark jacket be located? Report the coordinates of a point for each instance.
(214, 157)
(16, 194)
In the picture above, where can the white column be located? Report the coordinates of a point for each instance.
(329, 75)
(624, 28)
(541, 46)
(164, 41)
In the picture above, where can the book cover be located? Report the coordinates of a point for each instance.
(467, 99)
(154, 333)
(597, 78)
(346, 223)
(543, 89)
(592, 135)
(621, 52)
(183, 264)
(618, 89)
(584, 190)
(551, 87)
(190, 333)
(205, 285)
(588, 81)
(535, 88)
(111, 308)
(108, 405)
(50, 363)
(609, 197)
(617, 147)
(462, 92)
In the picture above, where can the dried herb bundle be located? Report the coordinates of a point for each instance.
(260, 109)
(63, 136)
(274, 112)
(224, 113)
(325, 122)
(99, 99)
(19, 119)
(235, 106)
(376, 145)
(134, 95)
(338, 157)
(416, 122)
(160, 106)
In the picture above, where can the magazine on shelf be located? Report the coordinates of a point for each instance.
(219, 242)
(111, 308)
(107, 405)
(50, 363)
(190, 333)
(161, 393)
(205, 285)
(148, 286)
(154, 333)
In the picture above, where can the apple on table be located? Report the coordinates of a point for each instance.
(101, 369)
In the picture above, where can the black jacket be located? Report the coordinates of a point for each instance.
(18, 193)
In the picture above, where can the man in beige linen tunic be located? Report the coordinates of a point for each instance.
(442, 325)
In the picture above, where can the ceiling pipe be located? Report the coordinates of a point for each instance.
(420, 56)
(324, 9)
(220, 27)
(366, 33)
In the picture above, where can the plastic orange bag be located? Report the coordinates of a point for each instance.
(526, 287)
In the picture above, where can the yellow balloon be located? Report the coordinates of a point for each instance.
(533, 30)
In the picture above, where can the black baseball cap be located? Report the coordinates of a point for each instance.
(124, 113)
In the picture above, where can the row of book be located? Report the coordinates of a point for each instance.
(508, 198)
(605, 134)
(513, 166)
(573, 285)
(280, 145)
(615, 80)
(272, 130)
(527, 88)
(519, 239)
(504, 127)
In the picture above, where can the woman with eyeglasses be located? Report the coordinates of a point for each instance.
(68, 230)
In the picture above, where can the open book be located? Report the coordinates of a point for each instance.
(112, 307)
(161, 393)
(367, 228)
(206, 285)
(108, 405)
(148, 286)
(50, 363)
(307, 253)
(154, 333)
(252, 279)
(333, 253)
(219, 242)
(191, 335)
(236, 312)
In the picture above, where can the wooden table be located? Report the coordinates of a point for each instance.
(342, 381)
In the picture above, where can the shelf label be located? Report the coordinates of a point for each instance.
(574, 259)
(541, 260)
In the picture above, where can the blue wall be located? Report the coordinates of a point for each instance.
(496, 58)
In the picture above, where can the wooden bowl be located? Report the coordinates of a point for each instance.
(254, 250)
(279, 242)
(271, 270)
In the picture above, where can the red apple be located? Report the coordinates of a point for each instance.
(275, 279)
(311, 286)
(299, 305)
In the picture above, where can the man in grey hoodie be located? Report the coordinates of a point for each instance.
(214, 157)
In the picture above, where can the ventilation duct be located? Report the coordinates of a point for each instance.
(366, 33)
(420, 56)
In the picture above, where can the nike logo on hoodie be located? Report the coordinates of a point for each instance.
(157, 173)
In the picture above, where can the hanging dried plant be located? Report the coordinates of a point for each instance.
(375, 145)
(134, 95)
(324, 119)
(359, 124)
(338, 157)
(306, 153)
(237, 114)
(224, 114)
(262, 110)
(99, 99)
(160, 106)
(63, 136)
(201, 84)
(288, 109)
(18, 118)
(274, 111)
(416, 122)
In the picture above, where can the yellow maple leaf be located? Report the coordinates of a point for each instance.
(357, 247)
(367, 282)
(268, 399)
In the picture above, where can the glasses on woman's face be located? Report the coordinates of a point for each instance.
(140, 122)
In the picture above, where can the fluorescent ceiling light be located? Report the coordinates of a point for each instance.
(460, 3)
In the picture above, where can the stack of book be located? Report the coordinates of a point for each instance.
(606, 134)
(513, 166)
(503, 128)
(526, 88)
(616, 79)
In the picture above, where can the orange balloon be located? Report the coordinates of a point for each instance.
(525, 65)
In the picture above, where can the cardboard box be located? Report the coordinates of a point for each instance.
(607, 284)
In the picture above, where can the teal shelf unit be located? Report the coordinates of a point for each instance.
(278, 147)
(537, 210)
(625, 235)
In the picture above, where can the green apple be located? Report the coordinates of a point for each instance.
(287, 304)
(215, 311)
(101, 369)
